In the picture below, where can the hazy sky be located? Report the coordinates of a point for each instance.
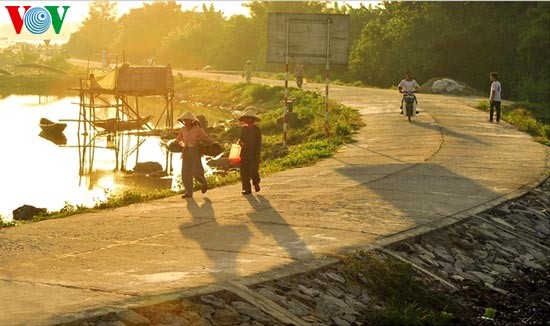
(78, 11)
(229, 8)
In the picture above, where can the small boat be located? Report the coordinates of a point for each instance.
(52, 127)
(112, 125)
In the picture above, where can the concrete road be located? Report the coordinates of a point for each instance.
(397, 180)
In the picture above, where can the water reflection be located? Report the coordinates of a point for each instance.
(55, 137)
(46, 99)
(75, 167)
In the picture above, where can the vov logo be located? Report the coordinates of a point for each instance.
(37, 20)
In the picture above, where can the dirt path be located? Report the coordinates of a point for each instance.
(397, 180)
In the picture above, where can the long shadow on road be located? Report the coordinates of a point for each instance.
(414, 195)
(449, 132)
(270, 222)
(222, 243)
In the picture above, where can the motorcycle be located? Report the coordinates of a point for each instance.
(409, 99)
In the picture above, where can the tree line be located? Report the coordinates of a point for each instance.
(460, 40)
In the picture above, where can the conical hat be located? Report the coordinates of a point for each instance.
(188, 116)
(250, 113)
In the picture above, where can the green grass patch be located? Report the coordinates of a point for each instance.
(531, 118)
(218, 180)
(126, 198)
(402, 297)
(303, 154)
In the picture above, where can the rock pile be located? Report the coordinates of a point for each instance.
(447, 86)
(27, 212)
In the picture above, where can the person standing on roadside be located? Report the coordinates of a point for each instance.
(247, 71)
(494, 97)
(251, 144)
(189, 136)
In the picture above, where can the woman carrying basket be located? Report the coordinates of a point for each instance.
(189, 136)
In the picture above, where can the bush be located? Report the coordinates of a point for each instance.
(533, 90)
(538, 111)
(4, 224)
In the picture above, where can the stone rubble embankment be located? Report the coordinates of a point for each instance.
(506, 244)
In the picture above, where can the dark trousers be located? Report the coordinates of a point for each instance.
(492, 106)
(299, 81)
(191, 167)
(249, 171)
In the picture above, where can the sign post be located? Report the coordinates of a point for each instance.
(285, 116)
(309, 39)
(327, 76)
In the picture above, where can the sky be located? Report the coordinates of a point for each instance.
(78, 11)
(229, 8)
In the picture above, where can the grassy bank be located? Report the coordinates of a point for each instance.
(39, 84)
(306, 138)
(118, 200)
(529, 117)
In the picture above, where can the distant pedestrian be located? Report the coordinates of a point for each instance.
(251, 143)
(247, 71)
(299, 73)
(189, 136)
(494, 96)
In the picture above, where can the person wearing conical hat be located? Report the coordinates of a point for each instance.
(188, 137)
(251, 144)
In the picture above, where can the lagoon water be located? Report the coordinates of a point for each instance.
(35, 171)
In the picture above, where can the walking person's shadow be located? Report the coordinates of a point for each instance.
(222, 243)
(269, 221)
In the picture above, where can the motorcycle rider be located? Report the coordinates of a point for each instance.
(408, 85)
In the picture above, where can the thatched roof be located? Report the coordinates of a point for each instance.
(139, 81)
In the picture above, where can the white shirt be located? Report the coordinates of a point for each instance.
(408, 85)
(496, 88)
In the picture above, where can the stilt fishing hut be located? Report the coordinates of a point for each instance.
(110, 108)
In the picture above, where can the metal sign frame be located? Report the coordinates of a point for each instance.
(306, 35)
(307, 38)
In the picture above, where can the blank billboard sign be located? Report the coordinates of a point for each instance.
(307, 38)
